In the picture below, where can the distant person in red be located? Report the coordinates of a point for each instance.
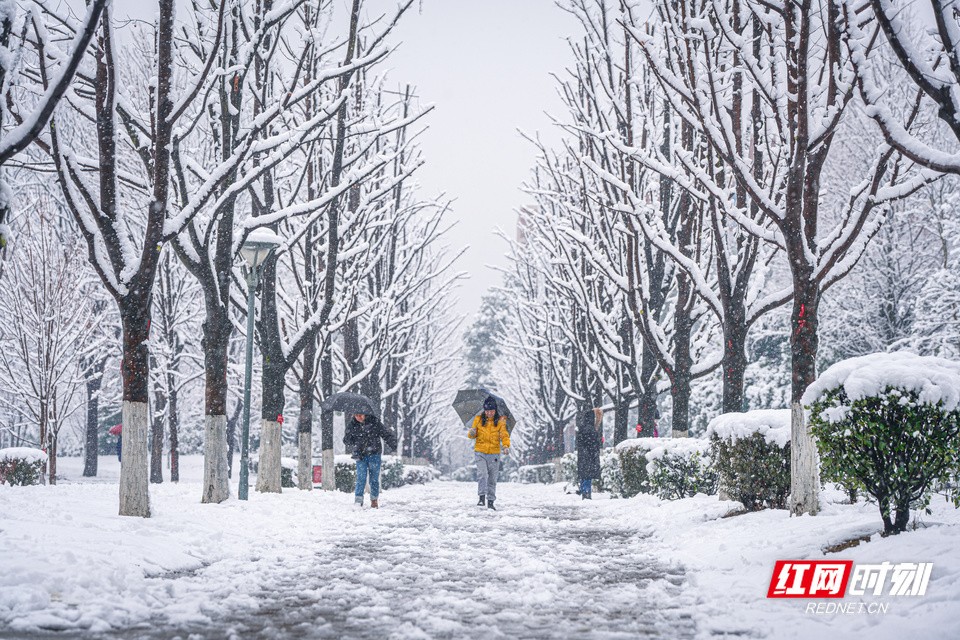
(117, 430)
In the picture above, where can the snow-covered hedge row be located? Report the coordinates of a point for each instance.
(21, 465)
(891, 423)
(536, 474)
(632, 458)
(465, 474)
(681, 468)
(393, 473)
(419, 474)
(670, 468)
(751, 455)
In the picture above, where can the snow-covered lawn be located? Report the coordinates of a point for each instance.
(431, 564)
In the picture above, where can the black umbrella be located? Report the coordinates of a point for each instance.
(469, 403)
(350, 403)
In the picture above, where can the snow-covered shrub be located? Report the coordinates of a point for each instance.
(611, 476)
(633, 465)
(419, 474)
(345, 469)
(391, 472)
(751, 454)
(465, 474)
(681, 468)
(21, 465)
(535, 474)
(288, 473)
(890, 421)
(568, 467)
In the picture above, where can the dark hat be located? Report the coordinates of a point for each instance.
(490, 403)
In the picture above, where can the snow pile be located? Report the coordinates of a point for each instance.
(26, 454)
(935, 380)
(772, 424)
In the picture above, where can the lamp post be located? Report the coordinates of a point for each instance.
(258, 246)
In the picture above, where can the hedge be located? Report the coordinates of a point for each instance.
(751, 454)
(21, 466)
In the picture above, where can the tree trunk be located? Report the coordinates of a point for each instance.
(268, 467)
(216, 340)
(805, 476)
(134, 472)
(804, 462)
(173, 426)
(92, 447)
(232, 437)
(621, 421)
(156, 439)
(683, 362)
(734, 362)
(52, 458)
(305, 420)
(134, 491)
(326, 426)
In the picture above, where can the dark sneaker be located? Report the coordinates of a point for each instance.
(482, 502)
(490, 505)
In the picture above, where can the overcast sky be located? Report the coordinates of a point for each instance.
(485, 65)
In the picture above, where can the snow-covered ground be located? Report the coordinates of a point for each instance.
(430, 564)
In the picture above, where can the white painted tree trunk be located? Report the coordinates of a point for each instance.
(268, 468)
(135, 467)
(804, 466)
(305, 462)
(329, 481)
(216, 484)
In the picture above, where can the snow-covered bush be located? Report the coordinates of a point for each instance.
(568, 467)
(751, 454)
(535, 474)
(681, 468)
(419, 474)
(633, 465)
(611, 475)
(288, 473)
(21, 465)
(391, 472)
(890, 421)
(345, 469)
(465, 474)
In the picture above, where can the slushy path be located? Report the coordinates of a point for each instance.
(430, 564)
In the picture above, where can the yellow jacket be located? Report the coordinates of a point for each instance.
(489, 436)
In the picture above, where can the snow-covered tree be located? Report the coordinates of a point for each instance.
(23, 118)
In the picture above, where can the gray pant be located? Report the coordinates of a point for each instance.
(488, 468)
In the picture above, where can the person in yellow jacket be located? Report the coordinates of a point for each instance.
(490, 431)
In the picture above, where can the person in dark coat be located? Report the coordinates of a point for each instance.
(589, 443)
(362, 436)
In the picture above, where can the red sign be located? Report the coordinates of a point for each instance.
(317, 474)
(810, 578)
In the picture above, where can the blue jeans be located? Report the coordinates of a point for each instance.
(586, 486)
(368, 465)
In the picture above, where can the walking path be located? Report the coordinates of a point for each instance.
(429, 564)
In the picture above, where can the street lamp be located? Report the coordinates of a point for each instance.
(258, 246)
